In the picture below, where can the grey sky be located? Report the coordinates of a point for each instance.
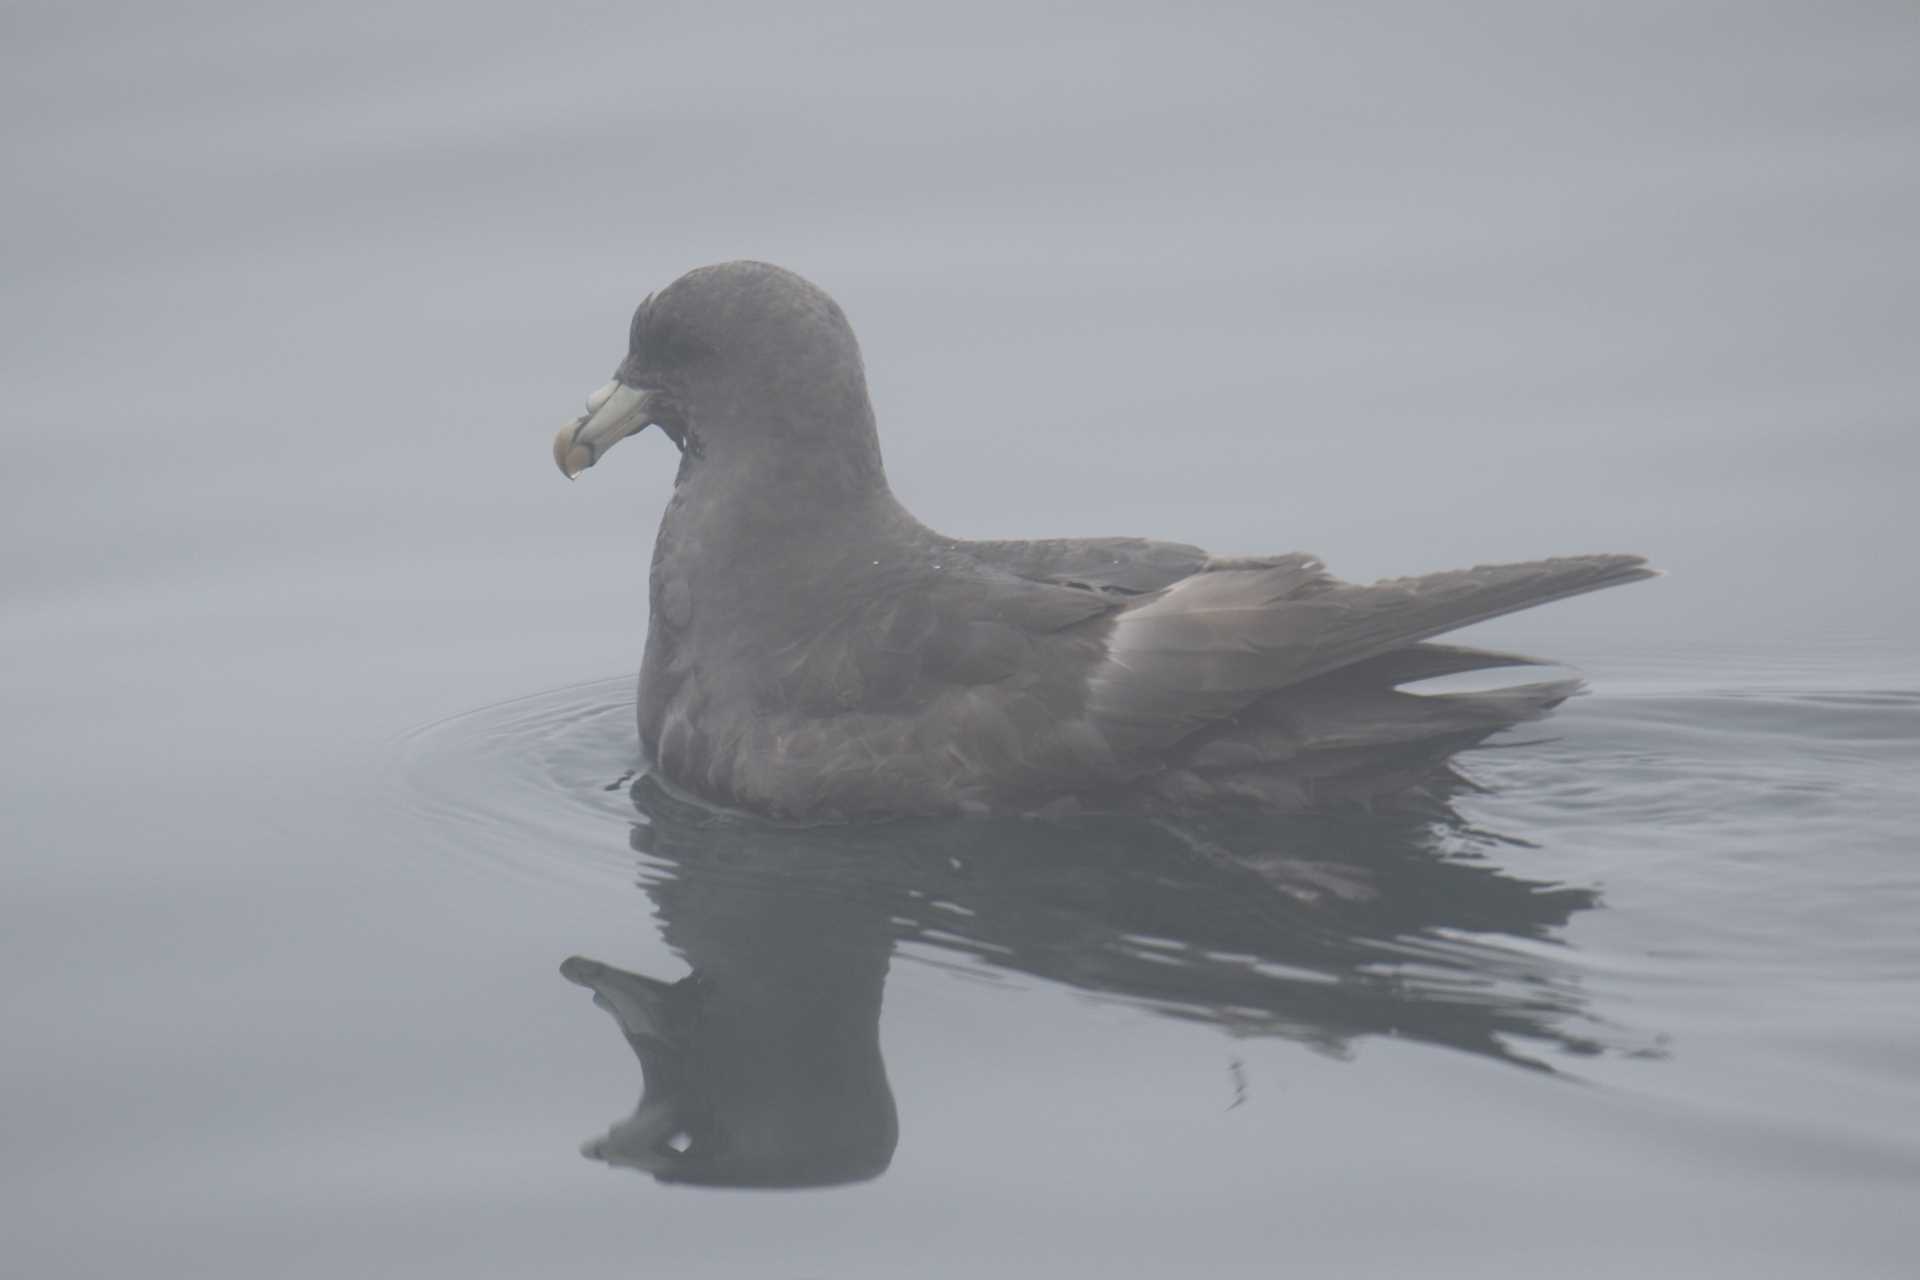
(1405, 286)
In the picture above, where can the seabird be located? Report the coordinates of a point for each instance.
(814, 653)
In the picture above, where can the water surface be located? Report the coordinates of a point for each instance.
(317, 761)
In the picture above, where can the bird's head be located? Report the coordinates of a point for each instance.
(743, 358)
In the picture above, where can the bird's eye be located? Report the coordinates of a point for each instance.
(659, 343)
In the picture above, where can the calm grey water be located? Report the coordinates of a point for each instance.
(317, 754)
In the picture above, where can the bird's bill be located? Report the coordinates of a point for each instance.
(614, 412)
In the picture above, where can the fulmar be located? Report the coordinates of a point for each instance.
(816, 654)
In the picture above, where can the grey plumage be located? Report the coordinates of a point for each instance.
(815, 653)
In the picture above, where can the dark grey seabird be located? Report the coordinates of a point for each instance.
(817, 654)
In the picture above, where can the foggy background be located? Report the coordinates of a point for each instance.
(293, 289)
(296, 296)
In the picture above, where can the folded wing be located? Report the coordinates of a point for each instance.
(1216, 643)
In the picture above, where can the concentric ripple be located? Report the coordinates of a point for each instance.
(537, 783)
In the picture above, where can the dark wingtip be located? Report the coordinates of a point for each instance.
(1630, 567)
(1607, 569)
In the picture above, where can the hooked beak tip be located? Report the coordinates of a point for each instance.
(614, 412)
(569, 454)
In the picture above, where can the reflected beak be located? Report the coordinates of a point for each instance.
(614, 412)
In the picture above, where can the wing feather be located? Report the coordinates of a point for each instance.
(1210, 645)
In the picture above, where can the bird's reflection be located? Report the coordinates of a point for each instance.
(762, 1067)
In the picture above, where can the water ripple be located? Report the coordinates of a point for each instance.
(537, 783)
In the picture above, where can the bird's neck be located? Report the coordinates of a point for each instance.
(735, 522)
(783, 457)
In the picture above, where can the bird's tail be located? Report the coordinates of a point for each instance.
(1227, 640)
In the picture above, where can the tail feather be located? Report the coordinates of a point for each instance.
(1419, 662)
(1213, 645)
(1330, 743)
